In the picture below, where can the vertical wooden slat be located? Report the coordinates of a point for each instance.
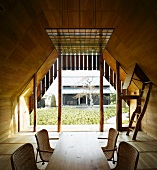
(118, 100)
(111, 76)
(89, 62)
(97, 62)
(81, 62)
(94, 62)
(68, 62)
(51, 75)
(35, 101)
(47, 80)
(101, 94)
(64, 62)
(106, 71)
(31, 103)
(43, 86)
(85, 62)
(55, 70)
(77, 62)
(39, 93)
(73, 62)
(115, 82)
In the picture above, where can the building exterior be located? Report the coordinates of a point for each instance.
(80, 88)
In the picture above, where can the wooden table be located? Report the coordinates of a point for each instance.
(78, 151)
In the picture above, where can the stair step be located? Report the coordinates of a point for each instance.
(132, 128)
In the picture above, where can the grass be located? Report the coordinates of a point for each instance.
(72, 115)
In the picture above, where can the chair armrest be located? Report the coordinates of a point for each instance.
(54, 138)
(106, 150)
(102, 138)
(45, 151)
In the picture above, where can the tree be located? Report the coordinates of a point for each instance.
(89, 90)
(113, 98)
(53, 101)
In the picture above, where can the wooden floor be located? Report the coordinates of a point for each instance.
(146, 145)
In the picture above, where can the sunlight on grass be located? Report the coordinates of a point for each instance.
(72, 115)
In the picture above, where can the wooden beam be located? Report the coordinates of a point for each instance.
(129, 77)
(35, 101)
(118, 99)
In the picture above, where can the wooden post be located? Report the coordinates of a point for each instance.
(35, 101)
(101, 67)
(101, 93)
(18, 100)
(59, 91)
(118, 99)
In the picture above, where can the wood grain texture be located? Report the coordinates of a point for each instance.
(78, 150)
(25, 46)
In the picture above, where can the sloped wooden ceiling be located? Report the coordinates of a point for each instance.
(25, 45)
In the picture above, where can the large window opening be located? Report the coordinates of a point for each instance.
(79, 50)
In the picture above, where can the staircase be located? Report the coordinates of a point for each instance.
(138, 114)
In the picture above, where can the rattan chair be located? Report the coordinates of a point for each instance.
(111, 147)
(43, 146)
(23, 158)
(127, 157)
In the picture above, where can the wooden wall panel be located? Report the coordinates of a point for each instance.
(8, 121)
(149, 124)
(24, 113)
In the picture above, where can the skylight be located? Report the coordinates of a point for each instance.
(80, 41)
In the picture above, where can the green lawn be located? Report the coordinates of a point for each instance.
(72, 115)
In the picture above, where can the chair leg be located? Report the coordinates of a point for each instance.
(36, 155)
(113, 159)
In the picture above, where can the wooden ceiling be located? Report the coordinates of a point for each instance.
(26, 49)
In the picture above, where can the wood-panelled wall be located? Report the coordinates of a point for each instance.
(149, 122)
(8, 117)
(25, 45)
